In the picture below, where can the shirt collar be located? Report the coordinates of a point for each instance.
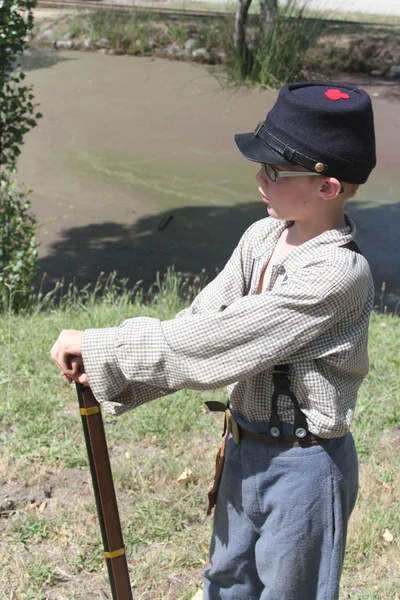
(265, 242)
(301, 255)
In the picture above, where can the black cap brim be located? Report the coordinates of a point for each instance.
(253, 148)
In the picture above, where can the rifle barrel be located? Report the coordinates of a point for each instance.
(104, 492)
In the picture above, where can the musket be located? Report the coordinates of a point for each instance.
(104, 492)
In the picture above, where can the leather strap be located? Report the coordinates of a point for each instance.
(281, 383)
(287, 441)
(289, 153)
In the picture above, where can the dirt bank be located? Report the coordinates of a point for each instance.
(348, 46)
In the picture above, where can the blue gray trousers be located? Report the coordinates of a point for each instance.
(280, 522)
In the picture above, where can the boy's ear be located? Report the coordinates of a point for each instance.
(330, 188)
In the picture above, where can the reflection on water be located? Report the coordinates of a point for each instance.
(39, 58)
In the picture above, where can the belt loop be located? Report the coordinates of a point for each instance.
(232, 426)
(288, 152)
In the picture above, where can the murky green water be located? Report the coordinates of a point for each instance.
(129, 144)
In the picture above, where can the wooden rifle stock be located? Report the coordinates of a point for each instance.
(104, 492)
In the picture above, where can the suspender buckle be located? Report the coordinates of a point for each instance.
(300, 426)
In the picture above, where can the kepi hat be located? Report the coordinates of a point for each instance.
(327, 128)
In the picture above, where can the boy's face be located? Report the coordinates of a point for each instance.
(289, 198)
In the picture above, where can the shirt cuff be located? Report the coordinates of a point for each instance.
(101, 366)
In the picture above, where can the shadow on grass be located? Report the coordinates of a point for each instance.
(196, 238)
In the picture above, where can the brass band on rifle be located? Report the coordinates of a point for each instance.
(114, 554)
(87, 412)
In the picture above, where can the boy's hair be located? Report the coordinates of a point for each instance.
(349, 190)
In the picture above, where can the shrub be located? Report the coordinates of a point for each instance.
(17, 117)
(17, 112)
(18, 250)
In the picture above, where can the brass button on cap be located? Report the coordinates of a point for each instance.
(320, 167)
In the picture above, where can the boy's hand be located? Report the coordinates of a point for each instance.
(67, 354)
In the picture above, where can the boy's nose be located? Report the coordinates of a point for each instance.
(260, 177)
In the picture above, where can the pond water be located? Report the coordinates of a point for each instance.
(133, 168)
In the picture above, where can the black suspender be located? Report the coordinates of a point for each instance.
(352, 246)
(281, 383)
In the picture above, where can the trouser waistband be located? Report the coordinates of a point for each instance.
(239, 432)
(284, 440)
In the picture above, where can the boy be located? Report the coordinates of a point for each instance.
(285, 326)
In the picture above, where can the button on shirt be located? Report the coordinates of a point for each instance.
(313, 315)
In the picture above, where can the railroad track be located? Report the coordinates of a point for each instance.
(171, 12)
(100, 4)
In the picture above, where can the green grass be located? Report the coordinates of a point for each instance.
(53, 549)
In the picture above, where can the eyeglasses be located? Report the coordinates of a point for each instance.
(273, 174)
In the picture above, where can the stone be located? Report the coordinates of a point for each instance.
(102, 50)
(151, 44)
(376, 73)
(103, 43)
(394, 72)
(173, 50)
(139, 47)
(87, 43)
(64, 44)
(49, 34)
(200, 54)
(190, 44)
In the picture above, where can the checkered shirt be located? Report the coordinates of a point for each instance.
(314, 315)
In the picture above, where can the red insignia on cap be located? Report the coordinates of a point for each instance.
(336, 95)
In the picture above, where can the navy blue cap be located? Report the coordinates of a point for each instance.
(327, 128)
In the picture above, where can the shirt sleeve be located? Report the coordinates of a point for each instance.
(105, 376)
(209, 350)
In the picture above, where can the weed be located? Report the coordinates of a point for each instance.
(77, 27)
(178, 32)
(40, 574)
(89, 557)
(30, 528)
(278, 57)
